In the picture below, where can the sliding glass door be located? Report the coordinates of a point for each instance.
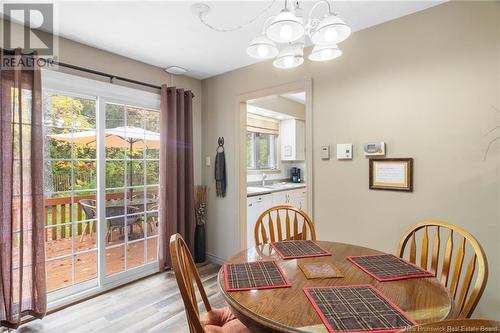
(101, 172)
(132, 178)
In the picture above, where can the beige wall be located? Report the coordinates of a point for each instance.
(424, 84)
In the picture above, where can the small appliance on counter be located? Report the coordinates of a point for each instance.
(295, 175)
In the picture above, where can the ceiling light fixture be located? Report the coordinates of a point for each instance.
(176, 70)
(288, 27)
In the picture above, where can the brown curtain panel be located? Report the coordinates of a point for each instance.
(176, 170)
(22, 254)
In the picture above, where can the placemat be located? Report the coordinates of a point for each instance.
(388, 267)
(357, 308)
(254, 275)
(320, 270)
(299, 249)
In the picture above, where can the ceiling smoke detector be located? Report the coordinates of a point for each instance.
(176, 70)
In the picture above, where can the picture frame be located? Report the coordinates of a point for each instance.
(391, 174)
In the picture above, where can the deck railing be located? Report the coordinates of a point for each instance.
(61, 211)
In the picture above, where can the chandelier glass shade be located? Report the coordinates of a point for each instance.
(285, 28)
(290, 57)
(289, 28)
(332, 29)
(325, 52)
(262, 47)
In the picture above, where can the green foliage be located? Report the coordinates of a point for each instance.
(71, 115)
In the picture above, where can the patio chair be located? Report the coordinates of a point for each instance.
(89, 207)
(119, 221)
(152, 218)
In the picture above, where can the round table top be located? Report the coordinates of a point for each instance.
(288, 310)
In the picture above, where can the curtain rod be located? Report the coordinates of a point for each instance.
(110, 76)
(95, 72)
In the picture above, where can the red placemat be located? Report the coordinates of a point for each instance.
(264, 274)
(388, 267)
(357, 308)
(299, 249)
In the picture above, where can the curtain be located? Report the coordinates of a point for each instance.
(176, 170)
(22, 252)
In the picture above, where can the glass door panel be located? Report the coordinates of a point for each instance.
(132, 178)
(70, 173)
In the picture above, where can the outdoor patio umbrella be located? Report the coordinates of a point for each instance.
(118, 137)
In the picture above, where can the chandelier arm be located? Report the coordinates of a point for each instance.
(312, 23)
(241, 26)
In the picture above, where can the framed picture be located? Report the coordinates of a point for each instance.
(392, 174)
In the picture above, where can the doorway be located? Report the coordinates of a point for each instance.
(275, 160)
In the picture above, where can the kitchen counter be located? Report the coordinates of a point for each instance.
(271, 188)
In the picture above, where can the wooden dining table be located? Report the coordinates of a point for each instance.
(425, 300)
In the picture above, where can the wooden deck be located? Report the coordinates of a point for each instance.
(149, 305)
(60, 271)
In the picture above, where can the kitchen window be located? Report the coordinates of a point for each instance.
(261, 151)
(262, 143)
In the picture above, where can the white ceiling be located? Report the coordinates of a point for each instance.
(166, 33)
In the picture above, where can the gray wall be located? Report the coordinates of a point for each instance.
(425, 84)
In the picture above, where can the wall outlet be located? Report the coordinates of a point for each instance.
(344, 151)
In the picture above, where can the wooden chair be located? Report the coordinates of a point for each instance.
(467, 246)
(273, 217)
(215, 320)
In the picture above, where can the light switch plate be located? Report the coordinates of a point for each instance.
(208, 161)
(344, 151)
(325, 152)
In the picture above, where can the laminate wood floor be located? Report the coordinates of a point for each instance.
(151, 305)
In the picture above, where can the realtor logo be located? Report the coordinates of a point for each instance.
(29, 26)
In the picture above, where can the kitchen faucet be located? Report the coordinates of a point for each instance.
(264, 176)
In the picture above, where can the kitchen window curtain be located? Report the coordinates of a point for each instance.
(176, 170)
(22, 252)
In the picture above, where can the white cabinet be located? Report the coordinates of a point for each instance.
(296, 198)
(255, 206)
(292, 137)
(280, 198)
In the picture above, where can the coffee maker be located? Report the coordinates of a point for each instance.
(295, 175)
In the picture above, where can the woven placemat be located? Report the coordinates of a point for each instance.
(388, 267)
(254, 275)
(299, 249)
(358, 308)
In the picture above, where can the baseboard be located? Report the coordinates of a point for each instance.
(214, 259)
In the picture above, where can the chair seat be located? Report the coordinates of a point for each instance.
(222, 321)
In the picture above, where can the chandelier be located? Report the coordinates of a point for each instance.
(288, 31)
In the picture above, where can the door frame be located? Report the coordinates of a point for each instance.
(306, 85)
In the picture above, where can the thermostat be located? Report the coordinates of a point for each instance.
(344, 151)
(374, 149)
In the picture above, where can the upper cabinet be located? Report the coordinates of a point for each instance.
(292, 137)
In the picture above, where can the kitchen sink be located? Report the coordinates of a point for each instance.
(283, 185)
